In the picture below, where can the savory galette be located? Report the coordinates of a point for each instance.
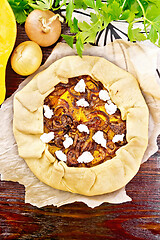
(81, 125)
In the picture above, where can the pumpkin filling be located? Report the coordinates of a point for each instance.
(82, 125)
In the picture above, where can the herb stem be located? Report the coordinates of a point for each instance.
(141, 6)
(123, 4)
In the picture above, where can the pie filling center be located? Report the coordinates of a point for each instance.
(82, 126)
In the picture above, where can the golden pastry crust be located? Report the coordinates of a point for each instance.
(28, 127)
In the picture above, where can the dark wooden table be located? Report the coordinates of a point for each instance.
(139, 219)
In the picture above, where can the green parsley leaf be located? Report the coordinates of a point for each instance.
(153, 11)
(153, 35)
(84, 26)
(114, 10)
(79, 4)
(42, 5)
(156, 23)
(79, 46)
(125, 15)
(21, 9)
(90, 3)
(69, 12)
(135, 34)
(74, 26)
(69, 39)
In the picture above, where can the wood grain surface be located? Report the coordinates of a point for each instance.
(139, 219)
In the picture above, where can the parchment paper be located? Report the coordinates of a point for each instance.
(138, 59)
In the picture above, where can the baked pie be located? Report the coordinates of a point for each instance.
(81, 125)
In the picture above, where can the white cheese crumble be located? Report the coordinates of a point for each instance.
(110, 108)
(104, 95)
(82, 103)
(83, 128)
(68, 141)
(80, 86)
(61, 156)
(48, 113)
(118, 138)
(47, 137)
(86, 157)
(98, 137)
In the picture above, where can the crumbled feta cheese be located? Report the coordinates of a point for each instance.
(118, 138)
(104, 95)
(47, 137)
(61, 156)
(48, 113)
(98, 137)
(68, 141)
(86, 157)
(82, 103)
(110, 108)
(83, 128)
(80, 86)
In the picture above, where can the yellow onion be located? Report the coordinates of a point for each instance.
(43, 27)
(26, 58)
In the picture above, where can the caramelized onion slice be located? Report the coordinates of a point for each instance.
(87, 146)
(93, 86)
(58, 141)
(118, 128)
(76, 94)
(57, 123)
(63, 107)
(93, 123)
(98, 113)
(111, 148)
(72, 156)
(59, 91)
(66, 119)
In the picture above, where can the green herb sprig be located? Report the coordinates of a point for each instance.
(102, 13)
(22, 8)
(145, 11)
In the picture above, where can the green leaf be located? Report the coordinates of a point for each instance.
(153, 11)
(131, 17)
(90, 3)
(106, 19)
(153, 35)
(84, 26)
(57, 2)
(83, 36)
(99, 4)
(79, 46)
(114, 10)
(42, 5)
(125, 15)
(69, 39)
(80, 4)
(91, 37)
(21, 9)
(135, 34)
(20, 17)
(69, 11)
(156, 23)
(94, 17)
(74, 26)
